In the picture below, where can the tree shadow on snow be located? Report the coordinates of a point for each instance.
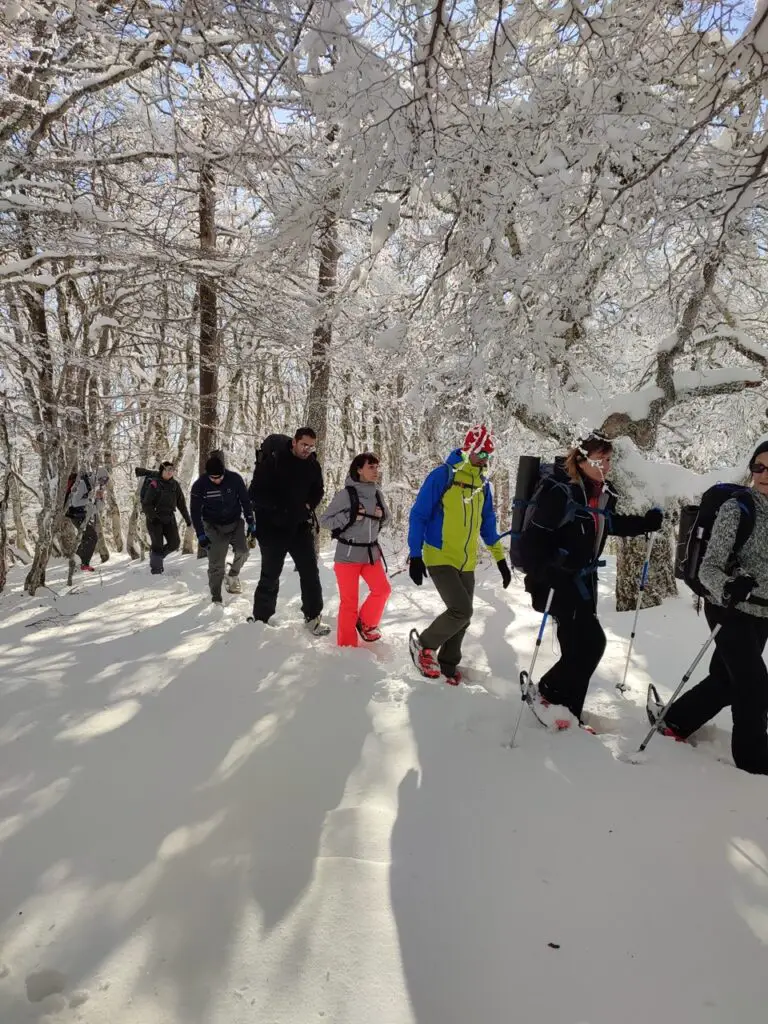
(199, 804)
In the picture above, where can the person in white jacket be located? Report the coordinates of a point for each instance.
(83, 505)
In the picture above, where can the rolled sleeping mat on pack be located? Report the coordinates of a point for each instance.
(688, 546)
(528, 469)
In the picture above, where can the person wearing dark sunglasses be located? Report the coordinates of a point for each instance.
(739, 605)
(453, 509)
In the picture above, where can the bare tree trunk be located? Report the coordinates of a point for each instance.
(19, 529)
(207, 300)
(48, 442)
(661, 579)
(320, 364)
(5, 490)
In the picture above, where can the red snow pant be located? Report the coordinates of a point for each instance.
(348, 577)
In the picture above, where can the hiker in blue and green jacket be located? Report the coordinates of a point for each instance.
(453, 508)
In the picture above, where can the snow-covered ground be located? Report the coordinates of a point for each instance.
(204, 821)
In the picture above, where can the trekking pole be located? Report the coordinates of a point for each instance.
(622, 686)
(526, 677)
(660, 720)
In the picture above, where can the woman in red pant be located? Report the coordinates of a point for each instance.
(355, 518)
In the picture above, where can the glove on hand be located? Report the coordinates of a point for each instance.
(417, 570)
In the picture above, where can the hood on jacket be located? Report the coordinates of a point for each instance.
(102, 476)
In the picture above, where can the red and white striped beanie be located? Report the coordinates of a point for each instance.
(479, 439)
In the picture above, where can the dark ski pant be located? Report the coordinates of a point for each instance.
(221, 536)
(165, 539)
(582, 644)
(737, 676)
(89, 539)
(274, 546)
(456, 588)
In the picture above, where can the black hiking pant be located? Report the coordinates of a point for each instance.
(446, 633)
(90, 537)
(165, 539)
(582, 645)
(274, 546)
(737, 676)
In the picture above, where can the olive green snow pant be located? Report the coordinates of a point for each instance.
(456, 588)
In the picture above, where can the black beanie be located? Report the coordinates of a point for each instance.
(760, 450)
(165, 465)
(215, 466)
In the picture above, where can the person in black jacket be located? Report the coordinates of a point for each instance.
(161, 496)
(573, 515)
(219, 503)
(287, 487)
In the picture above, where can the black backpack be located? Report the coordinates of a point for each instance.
(695, 529)
(354, 503)
(149, 475)
(532, 475)
(271, 445)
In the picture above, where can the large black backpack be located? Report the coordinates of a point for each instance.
(354, 503)
(149, 475)
(695, 530)
(532, 476)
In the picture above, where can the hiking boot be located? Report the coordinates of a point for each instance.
(423, 658)
(86, 568)
(233, 584)
(654, 709)
(216, 595)
(156, 572)
(453, 678)
(317, 627)
(368, 633)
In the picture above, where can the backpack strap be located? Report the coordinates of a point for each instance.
(746, 503)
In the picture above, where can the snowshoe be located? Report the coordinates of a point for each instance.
(454, 678)
(654, 710)
(423, 658)
(555, 717)
(370, 634)
(317, 627)
(233, 585)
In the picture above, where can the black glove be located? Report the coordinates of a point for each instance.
(204, 541)
(417, 570)
(738, 589)
(653, 520)
(506, 575)
(188, 522)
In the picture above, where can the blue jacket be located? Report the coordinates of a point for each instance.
(452, 509)
(220, 503)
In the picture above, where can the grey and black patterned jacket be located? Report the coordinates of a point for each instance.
(753, 558)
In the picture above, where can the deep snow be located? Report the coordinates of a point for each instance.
(204, 821)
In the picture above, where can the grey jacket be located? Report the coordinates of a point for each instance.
(80, 497)
(753, 559)
(362, 531)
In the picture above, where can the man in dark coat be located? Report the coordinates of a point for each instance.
(219, 504)
(161, 497)
(286, 489)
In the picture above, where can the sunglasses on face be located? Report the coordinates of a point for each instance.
(306, 447)
(758, 468)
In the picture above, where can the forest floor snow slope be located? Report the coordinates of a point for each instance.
(204, 821)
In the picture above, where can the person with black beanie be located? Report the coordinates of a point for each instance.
(219, 504)
(738, 603)
(161, 496)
